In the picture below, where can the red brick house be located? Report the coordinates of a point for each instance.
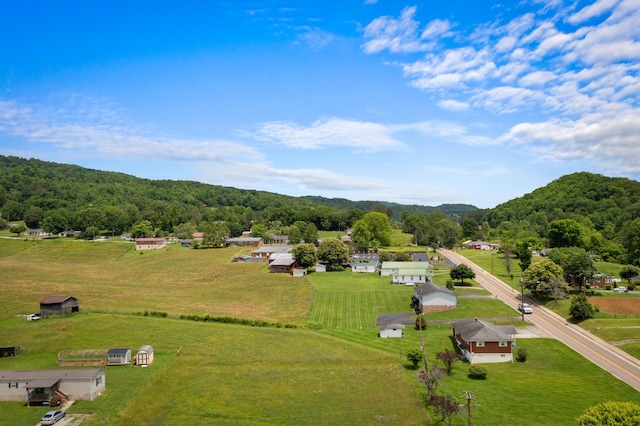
(483, 342)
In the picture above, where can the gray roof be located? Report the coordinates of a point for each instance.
(118, 351)
(389, 319)
(474, 330)
(28, 375)
(430, 287)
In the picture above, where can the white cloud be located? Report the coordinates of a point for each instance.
(94, 128)
(453, 105)
(395, 35)
(314, 37)
(332, 132)
(537, 78)
(577, 68)
(596, 9)
(611, 141)
(437, 28)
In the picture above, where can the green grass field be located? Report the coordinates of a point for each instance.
(331, 369)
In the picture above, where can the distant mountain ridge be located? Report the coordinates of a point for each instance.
(51, 185)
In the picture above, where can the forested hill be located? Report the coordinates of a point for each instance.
(608, 204)
(34, 184)
(453, 211)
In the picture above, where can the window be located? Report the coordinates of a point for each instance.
(503, 344)
(480, 344)
(11, 385)
(98, 380)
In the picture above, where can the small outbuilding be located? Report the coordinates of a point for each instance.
(58, 305)
(9, 351)
(118, 356)
(144, 356)
(391, 330)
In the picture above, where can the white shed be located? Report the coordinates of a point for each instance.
(391, 330)
(144, 356)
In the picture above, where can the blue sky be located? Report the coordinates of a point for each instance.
(420, 103)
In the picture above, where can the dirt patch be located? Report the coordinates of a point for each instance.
(614, 305)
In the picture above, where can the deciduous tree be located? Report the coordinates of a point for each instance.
(580, 308)
(333, 252)
(33, 217)
(372, 231)
(214, 234)
(304, 255)
(310, 234)
(17, 229)
(537, 276)
(629, 271)
(462, 272)
(448, 357)
(564, 233)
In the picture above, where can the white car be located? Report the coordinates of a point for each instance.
(33, 317)
(621, 290)
(525, 308)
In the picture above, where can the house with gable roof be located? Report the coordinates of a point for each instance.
(429, 297)
(482, 342)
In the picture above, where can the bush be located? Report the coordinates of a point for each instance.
(522, 355)
(477, 372)
(449, 284)
(414, 356)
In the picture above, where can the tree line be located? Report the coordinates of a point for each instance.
(58, 197)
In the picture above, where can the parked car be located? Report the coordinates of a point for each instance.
(33, 317)
(525, 308)
(621, 290)
(51, 417)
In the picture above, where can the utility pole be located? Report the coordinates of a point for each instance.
(469, 398)
(521, 298)
(424, 355)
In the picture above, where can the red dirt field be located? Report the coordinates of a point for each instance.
(616, 305)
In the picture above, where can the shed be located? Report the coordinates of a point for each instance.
(391, 330)
(118, 356)
(58, 305)
(144, 356)
(299, 272)
(9, 351)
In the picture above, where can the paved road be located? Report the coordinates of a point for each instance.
(620, 364)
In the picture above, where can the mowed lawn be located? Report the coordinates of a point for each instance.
(333, 369)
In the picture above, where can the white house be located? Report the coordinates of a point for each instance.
(407, 272)
(430, 297)
(39, 386)
(368, 267)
